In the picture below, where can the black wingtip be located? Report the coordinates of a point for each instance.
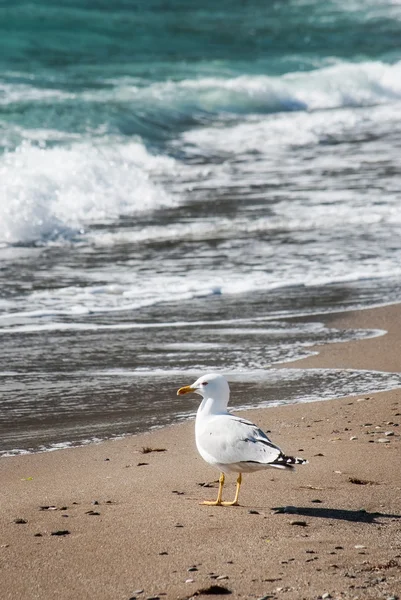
(288, 461)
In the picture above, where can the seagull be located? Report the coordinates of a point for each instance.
(230, 443)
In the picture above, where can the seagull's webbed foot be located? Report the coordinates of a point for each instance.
(213, 503)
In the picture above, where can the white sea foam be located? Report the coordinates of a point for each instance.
(50, 192)
(275, 133)
(52, 306)
(269, 328)
(11, 93)
(289, 217)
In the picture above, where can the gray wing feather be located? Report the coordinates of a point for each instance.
(229, 439)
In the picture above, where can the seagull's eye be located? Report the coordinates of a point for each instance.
(204, 382)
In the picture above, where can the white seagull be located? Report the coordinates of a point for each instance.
(230, 443)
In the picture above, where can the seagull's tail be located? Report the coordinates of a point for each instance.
(287, 462)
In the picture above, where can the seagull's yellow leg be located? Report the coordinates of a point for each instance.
(217, 502)
(235, 501)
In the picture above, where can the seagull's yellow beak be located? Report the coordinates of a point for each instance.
(185, 390)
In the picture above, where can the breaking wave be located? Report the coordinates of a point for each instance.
(53, 193)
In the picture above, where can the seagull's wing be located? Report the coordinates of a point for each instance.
(228, 439)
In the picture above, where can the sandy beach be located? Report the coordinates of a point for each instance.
(191, 188)
(121, 519)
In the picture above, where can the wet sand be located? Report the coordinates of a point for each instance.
(381, 353)
(129, 524)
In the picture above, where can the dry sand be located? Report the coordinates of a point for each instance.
(136, 529)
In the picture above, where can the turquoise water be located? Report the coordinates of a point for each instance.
(97, 67)
(178, 181)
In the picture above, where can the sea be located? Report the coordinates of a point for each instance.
(184, 186)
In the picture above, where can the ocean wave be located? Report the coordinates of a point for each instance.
(13, 93)
(339, 85)
(54, 193)
(161, 109)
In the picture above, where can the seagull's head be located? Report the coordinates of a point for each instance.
(211, 385)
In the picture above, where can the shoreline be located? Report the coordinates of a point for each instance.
(379, 353)
(322, 356)
(129, 522)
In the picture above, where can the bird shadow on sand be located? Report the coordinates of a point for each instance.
(358, 516)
